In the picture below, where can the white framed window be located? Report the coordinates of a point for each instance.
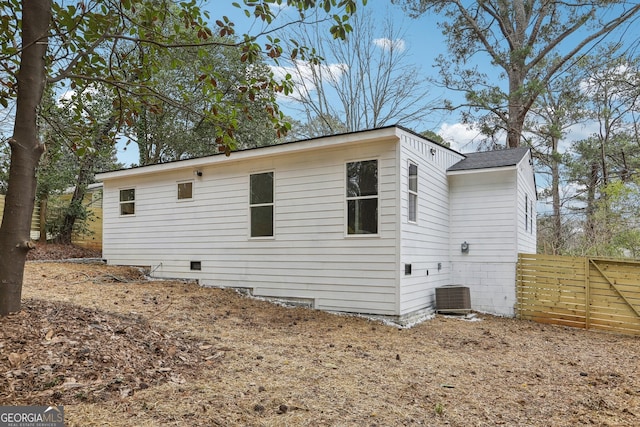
(127, 201)
(362, 197)
(526, 212)
(531, 217)
(412, 190)
(261, 204)
(185, 190)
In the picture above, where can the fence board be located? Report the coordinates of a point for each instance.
(35, 218)
(588, 293)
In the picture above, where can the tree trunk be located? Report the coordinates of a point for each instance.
(85, 176)
(558, 240)
(25, 154)
(75, 206)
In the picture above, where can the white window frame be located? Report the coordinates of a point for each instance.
(526, 212)
(123, 202)
(368, 197)
(257, 205)
(412, 194)
(531, 217)
(185, 199)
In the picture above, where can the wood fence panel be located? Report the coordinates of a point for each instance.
(581, 292)
(93, 237)
(35, 218)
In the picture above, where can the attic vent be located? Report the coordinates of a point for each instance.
(453, 299)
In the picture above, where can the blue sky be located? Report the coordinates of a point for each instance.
(423, 41)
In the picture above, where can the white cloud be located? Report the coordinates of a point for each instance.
(462, 137)
(388, 44)
(305, 75)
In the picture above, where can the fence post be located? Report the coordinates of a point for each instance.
(587, 293)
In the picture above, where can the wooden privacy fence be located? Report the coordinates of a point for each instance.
(35, 218)
(591, 293)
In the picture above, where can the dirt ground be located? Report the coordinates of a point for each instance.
(117, 349)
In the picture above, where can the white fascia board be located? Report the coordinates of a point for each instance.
(487, 170)
(261, 152)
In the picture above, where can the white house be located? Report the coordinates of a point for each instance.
(367, 222)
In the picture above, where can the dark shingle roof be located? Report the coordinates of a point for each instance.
(490, 159)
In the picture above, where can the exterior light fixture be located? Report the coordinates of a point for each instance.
(464, 248)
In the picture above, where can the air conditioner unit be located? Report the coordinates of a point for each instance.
(453, 299)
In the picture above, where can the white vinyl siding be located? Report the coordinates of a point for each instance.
(309, 256)
(425, 242)
(490, 210)
(526, 241)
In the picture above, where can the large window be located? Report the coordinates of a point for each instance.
(413, 192)
(185, 190)
(261, 204)
(128, 201)
(362, 197)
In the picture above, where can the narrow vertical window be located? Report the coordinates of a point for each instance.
(526, 212)
(362, 197)
(185, 190)
(128, 201)
(413, 192)
(531, 217)
(261, 204)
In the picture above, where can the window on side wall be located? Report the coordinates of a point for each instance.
(531, 218)
(261, 204)
(185, 190)
(362, 197)
(128, 201)
(413, 192)
(526, 212)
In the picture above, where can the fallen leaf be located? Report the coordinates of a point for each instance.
(15, 359)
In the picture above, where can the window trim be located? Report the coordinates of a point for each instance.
(531, 217)
(526, 212)
(121, 202)
(272, 204)
(185, 199)
(411, 192)
(347, 199)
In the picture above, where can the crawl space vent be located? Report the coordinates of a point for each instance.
(453, 299)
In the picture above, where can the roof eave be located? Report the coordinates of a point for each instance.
(373, 135)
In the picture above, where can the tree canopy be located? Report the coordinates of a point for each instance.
(115, 44)
(530, 43)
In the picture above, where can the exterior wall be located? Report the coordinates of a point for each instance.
(310, 256)
(482, 214)
(526, 242)
(424, 243)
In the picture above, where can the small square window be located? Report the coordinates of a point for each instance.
(196, 265)
(128, 202)
(185, 190)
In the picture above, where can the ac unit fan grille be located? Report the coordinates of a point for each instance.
(453, 299)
